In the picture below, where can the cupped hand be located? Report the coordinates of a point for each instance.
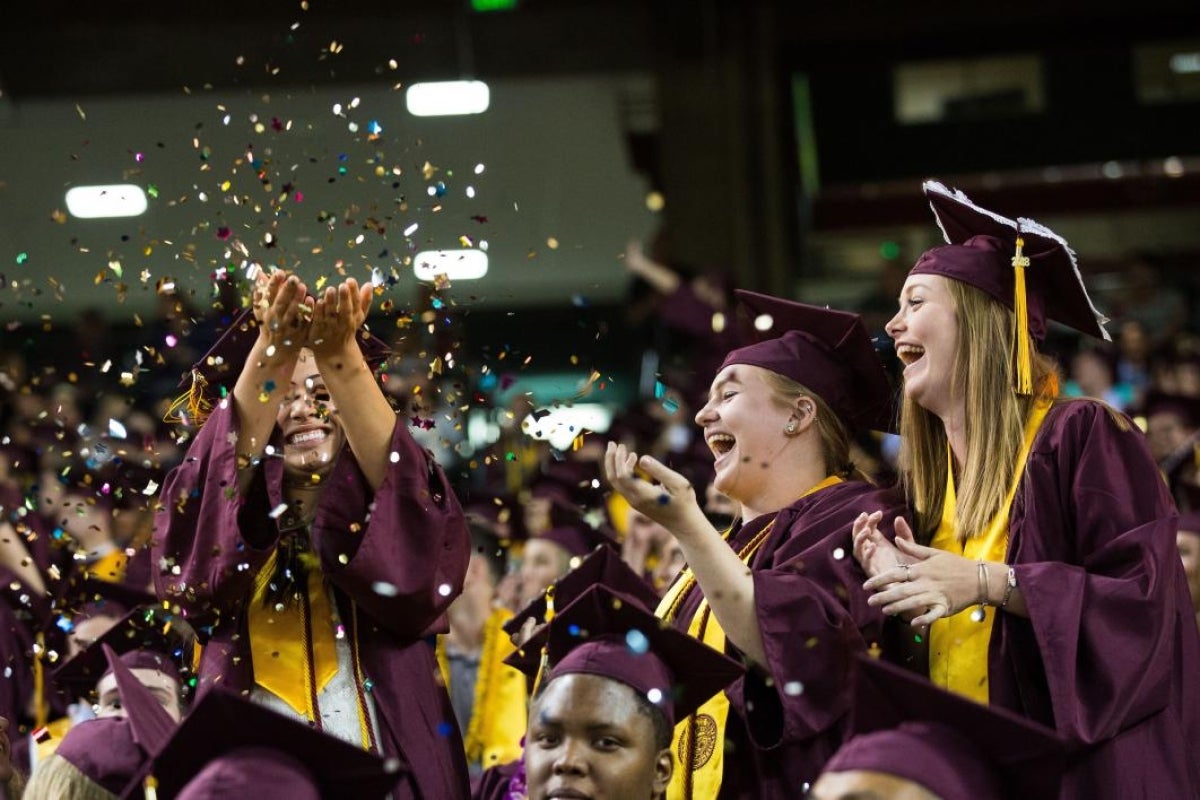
(283, 310)
(670, 500)
(338, 313)
(932, 584)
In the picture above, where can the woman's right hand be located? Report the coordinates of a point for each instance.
(284, 312)
(874, 553)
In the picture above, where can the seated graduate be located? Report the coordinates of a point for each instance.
(915, 741)
(105, 757)
(779, 588)
(230, 747)
(612, 683)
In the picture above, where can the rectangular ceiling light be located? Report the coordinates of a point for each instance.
(112, 200)
(455, 265)
(447, 98)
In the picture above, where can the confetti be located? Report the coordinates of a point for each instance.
(637, 641)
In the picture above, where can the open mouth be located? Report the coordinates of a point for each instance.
(312, 436)
(720, 444)
(909, 353)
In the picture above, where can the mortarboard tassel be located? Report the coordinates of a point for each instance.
(1023, 379)
(544, 659)
(191, 407)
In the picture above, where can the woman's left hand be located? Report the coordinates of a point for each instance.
(934, 584)
(337, 315)
(671, 502)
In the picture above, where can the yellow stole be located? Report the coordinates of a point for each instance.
(958, 645)
(499, 713)
(293, 649)
(109, 567)
(699, 740)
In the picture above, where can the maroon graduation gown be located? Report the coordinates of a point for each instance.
(786, 723)
(409, 537)
(1110, 655)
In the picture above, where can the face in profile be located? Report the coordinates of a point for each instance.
(164, 688)
(590, 739)
(925, 331)
(743, 423)
(312, 431)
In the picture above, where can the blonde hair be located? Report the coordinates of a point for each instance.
(56, 778)
(834, 435)
(982, 379)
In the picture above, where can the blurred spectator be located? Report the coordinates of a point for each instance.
(1093, 374)
(1152, 302)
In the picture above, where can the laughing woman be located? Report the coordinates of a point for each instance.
(780, 588)
(1050, 579)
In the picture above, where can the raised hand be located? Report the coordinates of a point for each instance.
(337, 315)
(283, 310)
(670, 501)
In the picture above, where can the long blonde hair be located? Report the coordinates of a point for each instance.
(834, 436)
(982, 378)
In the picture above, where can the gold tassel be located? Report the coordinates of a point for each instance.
(544, 659)
(40, 708)
(1023, 378)
(191, 407)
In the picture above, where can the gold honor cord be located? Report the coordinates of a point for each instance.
(699, 741)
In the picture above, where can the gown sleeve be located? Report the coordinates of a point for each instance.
(1096, 562)
(813, 616)
(401, 554)
(209, 542)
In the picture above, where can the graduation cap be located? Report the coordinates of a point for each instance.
(83, 596)
(904, 725)
(1021, 264)
(611, 635)
(148, 637)
(217, 371)
(259, 750)
(828, 351)
(1187, 409)
(577, 537)
(113, 751)
(603, 567)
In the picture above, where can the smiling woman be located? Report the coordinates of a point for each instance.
(1046, 569)
(779, 588)
(309, 591)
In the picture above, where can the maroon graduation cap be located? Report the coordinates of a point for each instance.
(904, 725)
(114, 751)
(215, 374)
(1187, 409)
(828, 351)
(611, 635)
(148, 637)
(577, 537)
(604, 566)
(1021, 264)
(229, 746)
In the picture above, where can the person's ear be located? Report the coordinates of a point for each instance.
(804, 413)
(664, 766)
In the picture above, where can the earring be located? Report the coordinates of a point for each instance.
(791, 428)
